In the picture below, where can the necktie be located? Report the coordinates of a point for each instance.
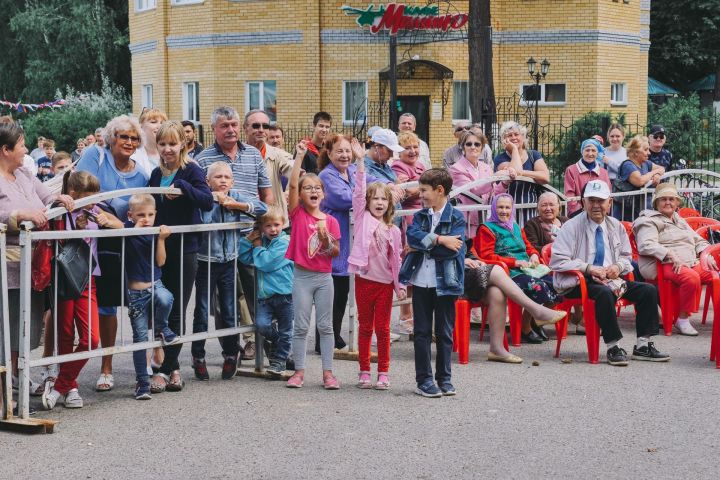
(599, 247)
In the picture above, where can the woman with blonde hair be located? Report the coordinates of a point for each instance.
(633, 174)
(147, 155)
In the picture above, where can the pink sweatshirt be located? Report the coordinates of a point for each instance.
(576, 177)
(360, 260)
(464, 172)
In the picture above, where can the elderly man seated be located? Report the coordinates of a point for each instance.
(598, 245)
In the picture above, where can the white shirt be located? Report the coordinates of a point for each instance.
(424, 156)
(30, 164)
(424, 276)
(607, 261)
(146, 163)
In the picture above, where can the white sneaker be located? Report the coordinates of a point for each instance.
(403, 327)
(49, 399)
(476, 315)
(73, 399)
(685, 328)
(394, 337)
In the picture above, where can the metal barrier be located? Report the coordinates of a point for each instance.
(28, 236)
(5, 362)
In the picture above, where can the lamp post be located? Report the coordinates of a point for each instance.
(544, 67)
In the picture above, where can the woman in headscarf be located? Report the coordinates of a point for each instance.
(589, 167)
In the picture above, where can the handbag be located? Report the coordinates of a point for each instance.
(72, 265)
(41, 263)
(109, 253)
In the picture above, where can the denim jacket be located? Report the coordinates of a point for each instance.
(449, 265)
(224, 246)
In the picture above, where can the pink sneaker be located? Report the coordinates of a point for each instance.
(383, 382)
(296, 381)
(364, 380)
(330, 382)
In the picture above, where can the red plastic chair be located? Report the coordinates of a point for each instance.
(704, 232)
(697, 222)
(714, 250)
(686, 212)
(461, 334)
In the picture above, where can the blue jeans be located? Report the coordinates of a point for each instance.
(279, 307)
(139, 312)
(222, 277)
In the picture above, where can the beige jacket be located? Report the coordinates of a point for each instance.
(278, 162)
(657, 234)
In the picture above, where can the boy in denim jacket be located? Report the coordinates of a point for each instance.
(218, 252)
(434, 266)
(266, 250)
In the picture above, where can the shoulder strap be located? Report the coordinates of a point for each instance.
(101, 157)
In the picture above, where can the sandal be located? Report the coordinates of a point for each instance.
(105, 383)
(156, 386)
(175, 383)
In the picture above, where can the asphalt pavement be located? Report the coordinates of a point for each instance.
(554, 420)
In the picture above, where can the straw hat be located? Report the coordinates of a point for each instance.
(664, 190)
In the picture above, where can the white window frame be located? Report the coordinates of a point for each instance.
(186, 101)
(146, 95)
(467, 85)
(614, 100)
(542, 102)
(145, 5)
(262, 105)
(344, 90)
(177, 3)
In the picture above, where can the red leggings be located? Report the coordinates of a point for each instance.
(73, 314)
(374, 303)
(688, 283)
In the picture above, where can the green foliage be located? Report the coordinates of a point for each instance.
(693, 133)
(81, 115)
(50, 43)
(567, 148)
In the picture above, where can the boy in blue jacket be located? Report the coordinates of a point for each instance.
(265, 248)
(217, 255)
(434, 266)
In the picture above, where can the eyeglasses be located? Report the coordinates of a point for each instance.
(310, 188)
(659, 136)
(473, 144)
(126, 138)
(460, 129)
(257, 125)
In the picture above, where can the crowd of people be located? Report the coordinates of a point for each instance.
(300, 245)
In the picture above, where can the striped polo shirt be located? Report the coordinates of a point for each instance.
(249, 172)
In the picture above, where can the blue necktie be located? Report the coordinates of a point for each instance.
(599, 248)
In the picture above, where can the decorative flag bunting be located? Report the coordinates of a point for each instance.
(31, 107)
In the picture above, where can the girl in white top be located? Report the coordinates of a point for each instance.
(147, 156)
(615, 154)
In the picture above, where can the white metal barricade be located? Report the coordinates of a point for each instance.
(5, 362)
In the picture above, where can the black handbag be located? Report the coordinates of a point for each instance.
(111, 276)
(72, 267)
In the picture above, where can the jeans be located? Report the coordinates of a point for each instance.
(222, 277)
(139, 313)
(279, 307)
(425, 302)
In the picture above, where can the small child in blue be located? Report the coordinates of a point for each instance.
(266, 248)
(217, 268)
(145, 288)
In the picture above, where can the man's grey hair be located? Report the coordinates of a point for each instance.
(223, 112)
(409, 115)
(253, 112)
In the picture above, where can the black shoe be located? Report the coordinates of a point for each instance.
(229, 368)
(531, 337)
(649, 353)
(290, 364)
(16, 412)
(269, 349)
(540, 331)
(617, 356)
(200, 368)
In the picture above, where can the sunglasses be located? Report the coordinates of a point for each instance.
(126, 138)
(659, 136)
(257, 125)
(473, 144)
(460, 129)
(310, 188)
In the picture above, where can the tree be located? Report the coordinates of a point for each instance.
(482, 89)
(68, 42)
(12, 60)
(685, 41)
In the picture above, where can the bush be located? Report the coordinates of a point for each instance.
(81, 115)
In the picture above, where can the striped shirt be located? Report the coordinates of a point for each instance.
(523, 192)
(248, 168)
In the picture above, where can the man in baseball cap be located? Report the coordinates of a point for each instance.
(598, 246)
(659, 155)
(383, 145)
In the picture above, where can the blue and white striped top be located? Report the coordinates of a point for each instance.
(249, 172)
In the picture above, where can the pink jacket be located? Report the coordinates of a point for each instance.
(409, 173)
(576, 177)
(464, 172)
(363, 231)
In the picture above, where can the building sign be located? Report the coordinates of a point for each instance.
(394, 17)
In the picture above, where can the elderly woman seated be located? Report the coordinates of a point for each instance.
(502, 239)
(543, 229)
(661, 234)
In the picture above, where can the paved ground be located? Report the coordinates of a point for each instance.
(554, 420)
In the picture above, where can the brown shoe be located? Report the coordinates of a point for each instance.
(249, 351)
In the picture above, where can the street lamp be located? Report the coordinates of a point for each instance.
(544, 67)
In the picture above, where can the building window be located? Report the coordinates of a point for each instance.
(262, 96)
(146, 96)
(191, 101)
(550, 94)
(354, 102)
(461, 101)
(618, 94)
(142, 5)
(186, 2)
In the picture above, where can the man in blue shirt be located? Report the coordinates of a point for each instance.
(659, 155)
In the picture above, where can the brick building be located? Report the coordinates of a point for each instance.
(294, 58)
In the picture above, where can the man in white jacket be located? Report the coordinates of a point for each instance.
(598, 246)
